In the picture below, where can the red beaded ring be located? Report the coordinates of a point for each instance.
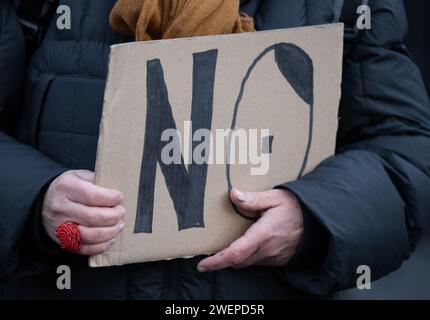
(69, 236)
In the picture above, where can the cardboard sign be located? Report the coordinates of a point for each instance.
(185, 120)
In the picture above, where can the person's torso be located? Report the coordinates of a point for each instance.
(62, 111)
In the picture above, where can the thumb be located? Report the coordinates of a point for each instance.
(85, 175)
(253, 201)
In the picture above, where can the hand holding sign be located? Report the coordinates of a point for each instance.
(272, 240)
(74, 198)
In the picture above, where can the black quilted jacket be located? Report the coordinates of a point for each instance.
(368, 202)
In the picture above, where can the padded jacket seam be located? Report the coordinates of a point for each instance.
(71, 75)
(62, 132)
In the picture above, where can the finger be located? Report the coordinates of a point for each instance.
(235, 254)
(93, 249)
(255, 259)
(255, 201)
(238, 252)
(94, 216)
(89, 194)
(85, 175)
(262, 258)
(99, 235)
(273, 262)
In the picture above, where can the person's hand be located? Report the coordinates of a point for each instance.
(73, 197)
(272, 240)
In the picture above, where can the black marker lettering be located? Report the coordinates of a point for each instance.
(186, 189)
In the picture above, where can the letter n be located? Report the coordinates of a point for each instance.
(186, 188)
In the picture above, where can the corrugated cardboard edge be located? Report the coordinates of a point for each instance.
(98, 260)
(222, 36)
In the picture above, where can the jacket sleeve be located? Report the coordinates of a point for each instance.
(23, 170)
(372, 198)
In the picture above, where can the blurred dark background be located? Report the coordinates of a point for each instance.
(418, 40)
(412, 281)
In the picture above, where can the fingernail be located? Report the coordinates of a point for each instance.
(121, 226)
(121, 197)
(240, 196)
